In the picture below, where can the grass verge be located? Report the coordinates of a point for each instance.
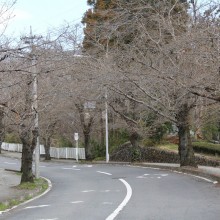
(30, 190)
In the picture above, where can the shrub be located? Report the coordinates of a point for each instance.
(97, 149)
(61, 141)
(118, 137)
(206, 147)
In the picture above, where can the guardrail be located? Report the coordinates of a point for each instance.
(58, 153)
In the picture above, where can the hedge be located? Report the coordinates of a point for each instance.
(126, 153)
(207, 148)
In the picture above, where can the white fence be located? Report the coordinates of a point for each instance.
(64, 153)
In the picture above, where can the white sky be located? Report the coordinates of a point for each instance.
(44, 14)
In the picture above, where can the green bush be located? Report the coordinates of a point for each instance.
(61, 141)
(160, 131)
(147, 143)
(117, 138)
(206, 147)
(97, 149)
(135, 154)
(211, 131)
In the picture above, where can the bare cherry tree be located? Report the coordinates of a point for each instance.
(166, 64)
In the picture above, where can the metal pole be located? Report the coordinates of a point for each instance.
(106, 126)
(77, 153)
(36, 124)
(76, 137)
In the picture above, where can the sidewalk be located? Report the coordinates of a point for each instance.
(9, 179)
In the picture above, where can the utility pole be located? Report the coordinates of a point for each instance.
(30, 40)
(106, 125)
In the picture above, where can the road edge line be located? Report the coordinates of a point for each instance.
(124, 202)
(176, 171)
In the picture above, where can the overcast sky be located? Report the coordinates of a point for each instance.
(44, 14)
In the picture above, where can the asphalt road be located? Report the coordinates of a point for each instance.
(107, 192)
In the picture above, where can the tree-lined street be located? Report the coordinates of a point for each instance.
(85, 192)
(132, 76)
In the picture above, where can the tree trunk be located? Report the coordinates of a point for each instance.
(29, 142)
(47, 142)
(27, 174)
(87, 146)
(186, 152)
(134, 139)
(87, 127)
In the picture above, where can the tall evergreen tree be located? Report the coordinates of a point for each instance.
(113, 23)
(96, 20)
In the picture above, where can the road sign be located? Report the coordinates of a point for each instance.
(76, 136)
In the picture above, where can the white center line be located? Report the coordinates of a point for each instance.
(39, 206)
(104, 173)
(76, 202)
(48, 219)
(86, 191)
(107, 203)
(124, 202)
(89, 166)
(67, 168)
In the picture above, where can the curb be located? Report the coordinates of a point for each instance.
(196, 172)
(215, 179)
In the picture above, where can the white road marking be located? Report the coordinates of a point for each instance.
(48, 219)
(107, 190)
(145, 176)
(10, 163)
(124, 202)
(140, 177)
(161, 174)
(89, 166)
(76, 202)
(174, 171)
(68, 168)
(107, 203)
(104, 173)
(86, 191)
(39, 206)
(200, 177)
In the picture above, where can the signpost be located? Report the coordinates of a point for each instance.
(76, 137)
